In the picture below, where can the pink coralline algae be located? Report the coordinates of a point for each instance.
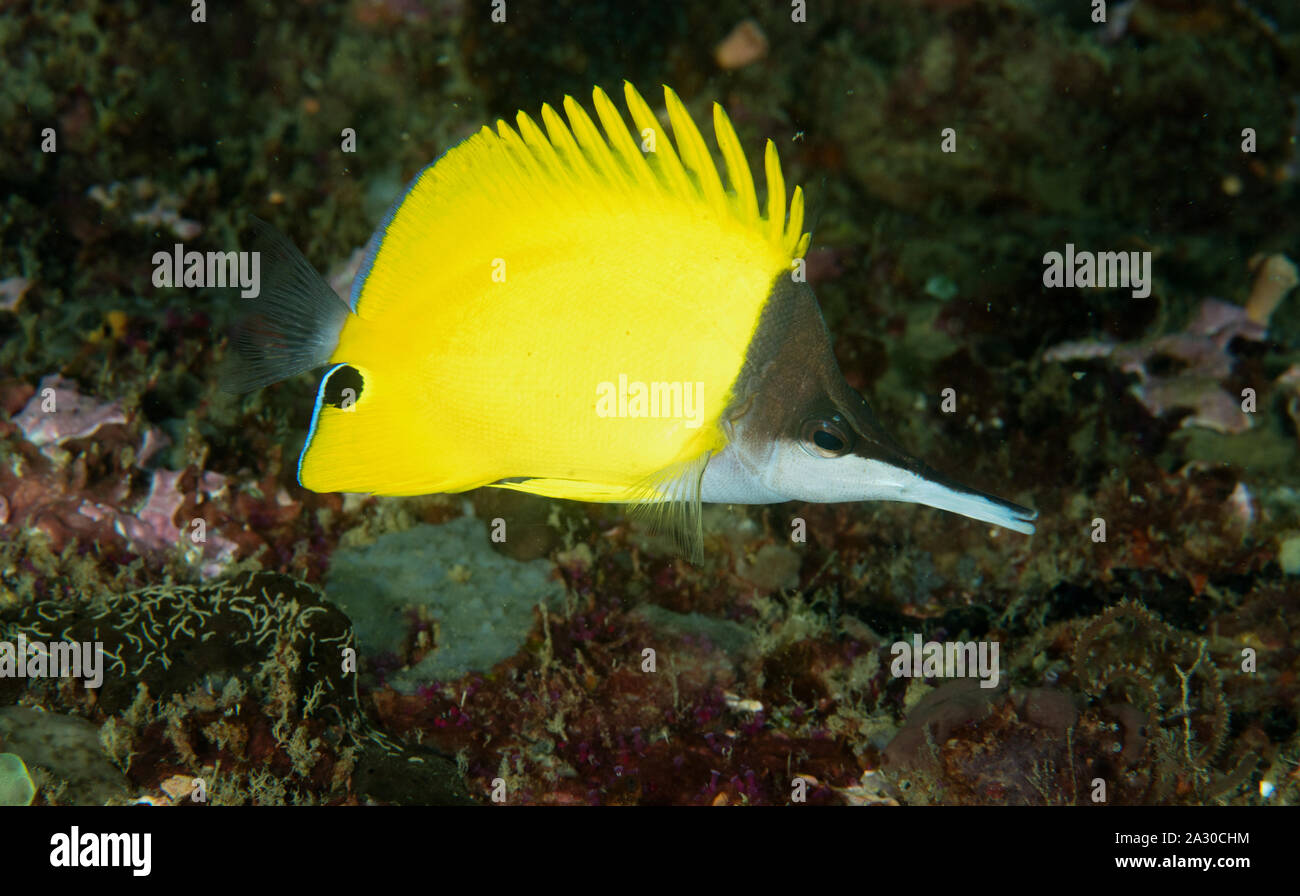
(163, 212)
(57, 413)
(153, 527)
(12, 291)
(49, 490)
(1183, 370)
(1189, 370)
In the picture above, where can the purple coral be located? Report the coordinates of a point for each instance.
(58, 413)
(1202, 358)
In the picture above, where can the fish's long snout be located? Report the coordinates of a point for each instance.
(938, 491)
(900, 476)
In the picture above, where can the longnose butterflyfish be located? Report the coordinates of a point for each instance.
(585, 313)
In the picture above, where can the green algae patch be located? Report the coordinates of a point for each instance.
(476, 604)
(16, 787)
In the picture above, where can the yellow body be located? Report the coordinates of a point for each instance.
(525, 268)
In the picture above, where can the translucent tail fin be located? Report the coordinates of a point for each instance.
(292, 325)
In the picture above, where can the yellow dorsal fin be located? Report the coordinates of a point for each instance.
(594, 145)
(580, 155)
(737, 168)
(796, 220)
(775, 192)
(622, 141)
(576, 164)
(674, 178)
(693, 152)
(585, 168)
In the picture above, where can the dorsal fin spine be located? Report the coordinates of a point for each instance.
(738, 173)
(594, 145)
(694, 154)
(622, 141)
(669, 165)
(612, 164)
(567, 149)
(775, 192)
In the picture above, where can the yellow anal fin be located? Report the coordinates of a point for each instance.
(670, 503)
(572, 490)
(667, 502)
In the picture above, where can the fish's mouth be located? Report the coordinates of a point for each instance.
(922, 484)
(939, 491)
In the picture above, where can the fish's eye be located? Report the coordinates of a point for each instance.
(826, 437)
(342, 387)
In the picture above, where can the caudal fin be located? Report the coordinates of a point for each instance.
(292, 325)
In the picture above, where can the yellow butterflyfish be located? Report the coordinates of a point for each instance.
(588, 313)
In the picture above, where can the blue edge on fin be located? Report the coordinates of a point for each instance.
(315, 417)
(377, 238)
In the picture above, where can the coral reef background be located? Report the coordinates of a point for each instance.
(151, 508)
